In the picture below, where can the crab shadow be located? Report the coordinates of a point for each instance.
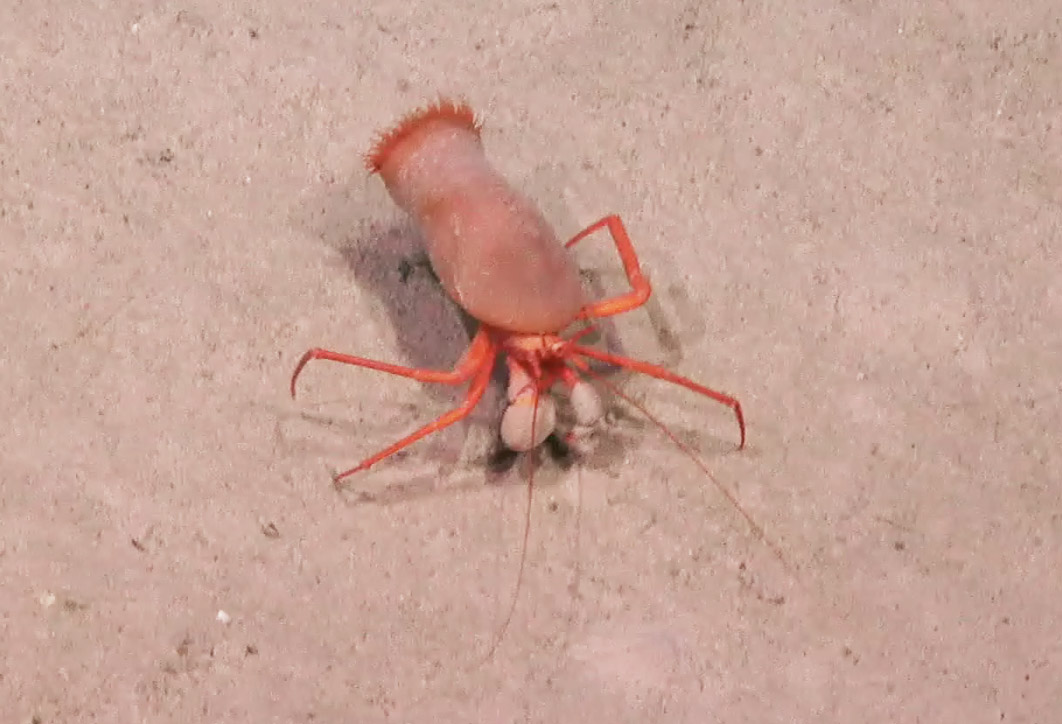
(385, 256)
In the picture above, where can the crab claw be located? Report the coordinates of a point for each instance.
(586, 403)
(516, 424)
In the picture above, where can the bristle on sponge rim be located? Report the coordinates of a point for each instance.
(457, 112)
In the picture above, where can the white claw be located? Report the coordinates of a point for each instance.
(516, 422)
(520, 383)
(586, 403)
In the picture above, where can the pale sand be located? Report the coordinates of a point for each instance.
(851, 217)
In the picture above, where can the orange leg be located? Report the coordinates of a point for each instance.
(477, 363)
(640, 289)
(481, 346)
(663, 374)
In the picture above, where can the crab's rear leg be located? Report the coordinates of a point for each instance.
(640, 288)
(477, 364)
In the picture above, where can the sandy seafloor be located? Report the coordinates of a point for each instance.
(850, 211)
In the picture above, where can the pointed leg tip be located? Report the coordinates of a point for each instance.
(338, 479)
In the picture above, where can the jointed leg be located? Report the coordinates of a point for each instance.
(472, 398)
(480, 348)
(476, 363)
(640, 289)
(663, 374)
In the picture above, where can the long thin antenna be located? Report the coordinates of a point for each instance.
(523, 548)
(690, 453)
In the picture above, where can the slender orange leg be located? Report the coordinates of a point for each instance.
(477, 363)
(480, 346)
(639, 294)
(663, 374)
(640, 289)
(472, 398)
